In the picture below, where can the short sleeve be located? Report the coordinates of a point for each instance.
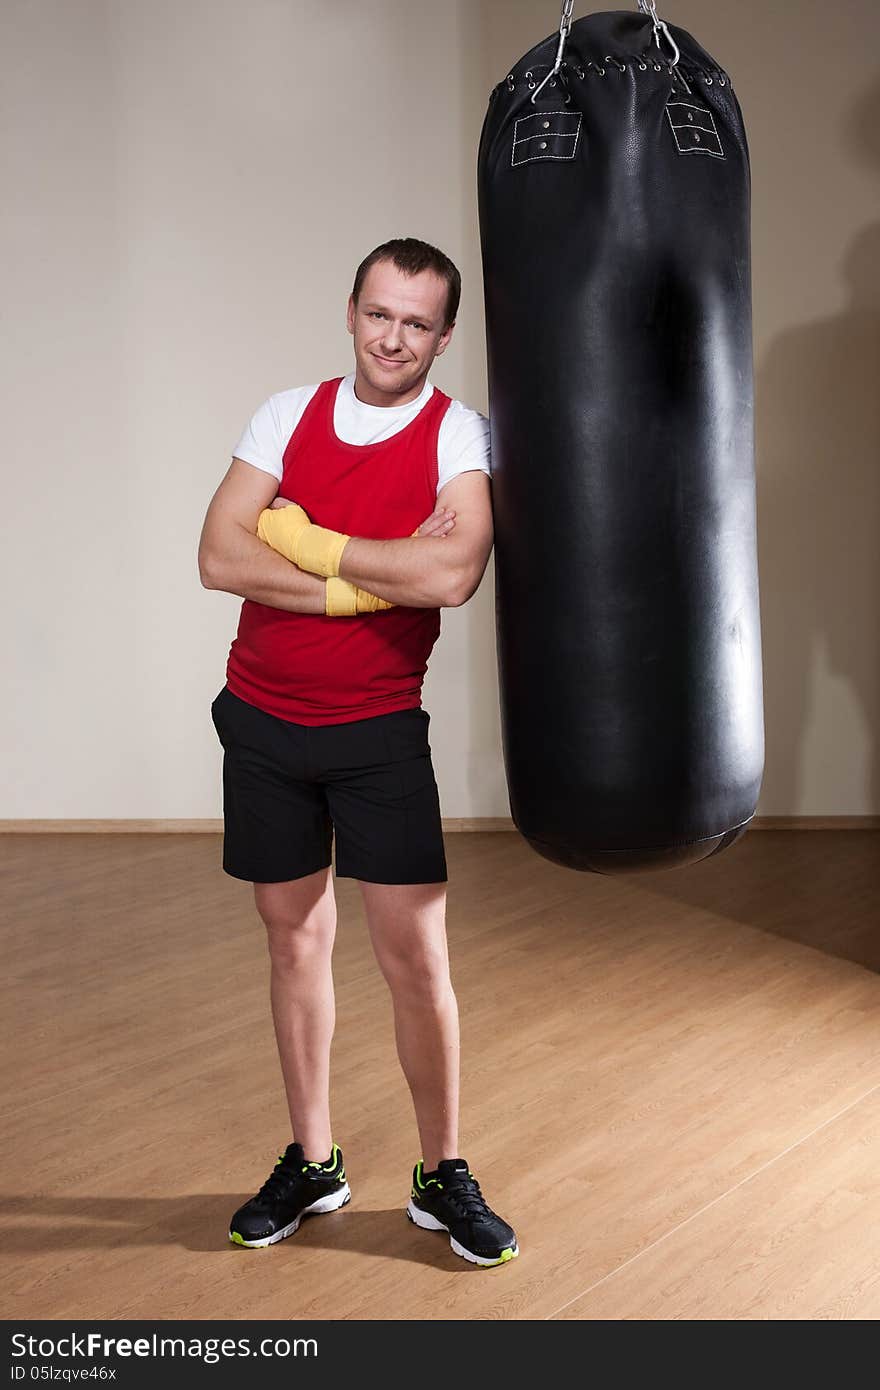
(464, 444)
(261, 443)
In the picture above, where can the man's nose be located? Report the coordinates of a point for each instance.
(392, 337)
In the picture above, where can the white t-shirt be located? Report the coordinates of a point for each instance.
(462, 444)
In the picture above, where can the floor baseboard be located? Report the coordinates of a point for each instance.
(451, 825)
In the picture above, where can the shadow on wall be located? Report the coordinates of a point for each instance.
(818, 427)
(818, 432)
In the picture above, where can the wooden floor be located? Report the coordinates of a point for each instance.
(670, 1085)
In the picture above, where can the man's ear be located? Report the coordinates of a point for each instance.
(443, 341)
(349, 314)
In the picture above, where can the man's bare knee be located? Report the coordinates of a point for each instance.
(407, 925)
(299, 916)
(419, 975)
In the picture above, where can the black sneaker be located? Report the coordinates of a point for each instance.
(450, 1200)
(295, 1188)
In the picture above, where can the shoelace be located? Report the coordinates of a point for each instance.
(281, 1182)
(464, 1193)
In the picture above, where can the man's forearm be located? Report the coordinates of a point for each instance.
(412, 571)
(254, 570)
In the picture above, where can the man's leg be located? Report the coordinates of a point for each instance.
(300, 920)
(407, 924)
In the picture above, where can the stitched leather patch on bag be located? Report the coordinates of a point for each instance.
(694, 129)
(545, 135)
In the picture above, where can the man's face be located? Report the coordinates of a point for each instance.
(398, 330)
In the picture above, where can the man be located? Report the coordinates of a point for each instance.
(316, 526)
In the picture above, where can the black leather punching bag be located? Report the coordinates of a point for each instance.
(614, 218)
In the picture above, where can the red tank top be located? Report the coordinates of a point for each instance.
(313, 669)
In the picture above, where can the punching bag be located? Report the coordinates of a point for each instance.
(614, 193)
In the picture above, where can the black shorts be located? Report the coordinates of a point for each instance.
(287, 786)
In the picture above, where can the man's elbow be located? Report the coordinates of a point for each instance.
(464, 583)
(208, 571)
(459, 590)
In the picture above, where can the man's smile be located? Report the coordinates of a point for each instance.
(389, 361)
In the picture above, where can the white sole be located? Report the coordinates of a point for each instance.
(332, 1202)
(427, 1222)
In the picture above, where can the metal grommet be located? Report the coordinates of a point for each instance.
(601, 72)
(643, 66)
(709, 81)
(553, 82)
(579, 71)
(721, 82)
(531, 84)
(657, 67)
(546, 125)
(528, 74)
(696, 136)
(542, 145)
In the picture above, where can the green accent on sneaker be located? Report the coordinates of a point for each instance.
(235, 1237)
(420, 1173)
(322, 1168)
(325, 1167)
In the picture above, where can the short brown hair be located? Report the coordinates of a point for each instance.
(412, 257)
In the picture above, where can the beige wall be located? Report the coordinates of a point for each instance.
(189, 186)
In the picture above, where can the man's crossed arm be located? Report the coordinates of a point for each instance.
(428, 570)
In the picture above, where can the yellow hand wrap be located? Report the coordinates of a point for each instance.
(319, 551)
(345, 599)
(280, 527)
(312, 548)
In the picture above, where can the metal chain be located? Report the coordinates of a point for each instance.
(564, 27)
(648, 7)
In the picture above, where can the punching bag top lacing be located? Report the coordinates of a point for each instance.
(636, 61)
(661, 31)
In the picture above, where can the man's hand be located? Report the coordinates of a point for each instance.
(439, 523)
